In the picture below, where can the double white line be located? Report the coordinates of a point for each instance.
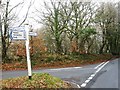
(99, 67)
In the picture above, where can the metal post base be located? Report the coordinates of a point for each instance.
(30, 77)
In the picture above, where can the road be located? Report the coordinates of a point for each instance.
(103, 75)
(108, 76)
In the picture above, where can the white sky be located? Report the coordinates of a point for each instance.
(39, 5)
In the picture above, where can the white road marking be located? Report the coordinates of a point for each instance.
(87, 81)
(83, 85)
(66, 68)
(78, 86)
(99, 65)
(77, 67)
(74, 83)
(91, 77)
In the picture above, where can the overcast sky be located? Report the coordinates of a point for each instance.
(39, 5)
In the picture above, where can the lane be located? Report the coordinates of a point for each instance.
(107, 77)
(13, 74)
(72, 74)
(100, 66)
(57, 72)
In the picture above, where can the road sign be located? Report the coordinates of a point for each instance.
(18, 33)
(32, 34)
(22, 33)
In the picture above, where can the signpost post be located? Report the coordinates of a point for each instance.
(28, 52)
(22, 33)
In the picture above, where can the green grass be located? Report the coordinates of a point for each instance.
(39, 80)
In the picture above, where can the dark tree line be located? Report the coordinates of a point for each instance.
(81, 27)
(71, 27)
(107, 18)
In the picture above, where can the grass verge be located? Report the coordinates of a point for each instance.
(39, 80)
(58, 61)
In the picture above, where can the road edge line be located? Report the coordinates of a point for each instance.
(93, 75)
(74, 84)
(99, 65)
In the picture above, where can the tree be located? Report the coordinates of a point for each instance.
(114, 40)
(88, 37)
(5, 31)
(106, 17)
(81, 17)
(0, 24)
(8, 16)
(55, 20)
(65, 22)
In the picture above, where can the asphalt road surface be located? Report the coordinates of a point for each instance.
(108, 76)
(103, 75)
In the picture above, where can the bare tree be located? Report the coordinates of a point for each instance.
(81, 17)
(55, 19)
(0, 16)
(67, 19)
(26, 15)
(7, 17)
(106, 17)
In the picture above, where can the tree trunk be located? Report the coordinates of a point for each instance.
(58, 47)
(0, 35)
(4, 49)
(77, 44)
(91, 43)
(3, 43)
(102, 47)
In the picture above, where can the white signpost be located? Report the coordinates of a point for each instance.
(22, 33)
(28, 52)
